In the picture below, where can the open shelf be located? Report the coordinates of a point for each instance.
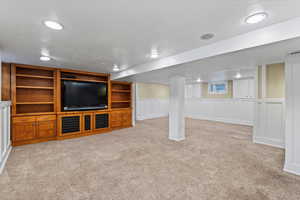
(125, 91)
(34, 90)
(35, 87)
(34, 108)
(121, 101)
(33, 76)
(32, 103)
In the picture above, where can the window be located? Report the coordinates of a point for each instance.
(217, 88)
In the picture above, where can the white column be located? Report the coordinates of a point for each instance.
(292, 125)
(176, 113)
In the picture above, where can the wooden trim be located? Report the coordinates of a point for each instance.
(5, 82)
(84, 72)
(13, 89)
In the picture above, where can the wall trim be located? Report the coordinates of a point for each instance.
(152, 116)
(5, 158)
(292, 168)
(269, 142)
(224, 120)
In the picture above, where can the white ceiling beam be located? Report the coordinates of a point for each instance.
(275, 33)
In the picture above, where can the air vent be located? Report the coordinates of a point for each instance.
(101, 121)
(70, 124)
(295, 52)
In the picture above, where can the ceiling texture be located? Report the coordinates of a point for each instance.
(98, 34)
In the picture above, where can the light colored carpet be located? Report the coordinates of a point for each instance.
(216, 161)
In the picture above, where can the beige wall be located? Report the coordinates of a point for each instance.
(205, 93)
(275, 81)
(152, 91)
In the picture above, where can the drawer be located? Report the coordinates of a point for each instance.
(46, 118)
(23, 119)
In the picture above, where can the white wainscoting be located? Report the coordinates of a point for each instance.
(236, 111)
(5, 144)
(152, 108)
(269, 122)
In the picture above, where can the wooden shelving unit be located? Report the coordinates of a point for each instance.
(34, 89)
(37, 114)
(120, 94)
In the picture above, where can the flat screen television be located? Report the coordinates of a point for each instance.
(80, 95)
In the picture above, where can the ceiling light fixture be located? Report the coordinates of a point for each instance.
(207, 36)
(238, 76)
(116, 68)
(53, 25)
(45, 58)
(256, 18)
(199, 80)
(154, 53)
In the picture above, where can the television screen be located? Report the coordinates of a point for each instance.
(79, 95)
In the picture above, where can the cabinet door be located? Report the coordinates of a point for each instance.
(24, 128)
(46, 126)
(116, 119)
(126, 118)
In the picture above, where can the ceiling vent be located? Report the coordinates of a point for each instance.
(295, 52)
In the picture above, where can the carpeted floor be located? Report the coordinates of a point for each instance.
(216, 161)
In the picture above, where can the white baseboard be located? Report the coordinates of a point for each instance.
(229, 121)
(269, 141)
(177, 139)
(292, 168)
(2, 164)
(140, 118)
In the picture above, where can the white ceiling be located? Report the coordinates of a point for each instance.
(223, 67)
(99, 34)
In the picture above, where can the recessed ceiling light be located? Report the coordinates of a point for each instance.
(116, 68)
(199, 80)
(207, 36)
(256, 18)
(53, 25)
(154, 53)
(45, 58)
(238, 76)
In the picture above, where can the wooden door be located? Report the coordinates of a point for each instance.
(46, 126)
(24, 128)
(126, 118)
(116, 119)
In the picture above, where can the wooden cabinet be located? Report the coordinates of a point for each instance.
(121, 118)
(24, 128)
(46, 126)
(33, 127)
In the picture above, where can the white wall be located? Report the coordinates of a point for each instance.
(152, 101)
(269, 113)
(236, 111)
(292, 136)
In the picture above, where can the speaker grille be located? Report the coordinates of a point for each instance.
(101, 121)
(70, 124)
(87, 122)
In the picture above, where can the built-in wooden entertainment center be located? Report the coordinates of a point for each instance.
(36, 105)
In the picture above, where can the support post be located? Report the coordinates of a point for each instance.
(176, 113)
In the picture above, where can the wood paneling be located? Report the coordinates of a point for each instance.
(6, 85)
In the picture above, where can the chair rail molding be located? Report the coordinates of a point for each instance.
(5, 142)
